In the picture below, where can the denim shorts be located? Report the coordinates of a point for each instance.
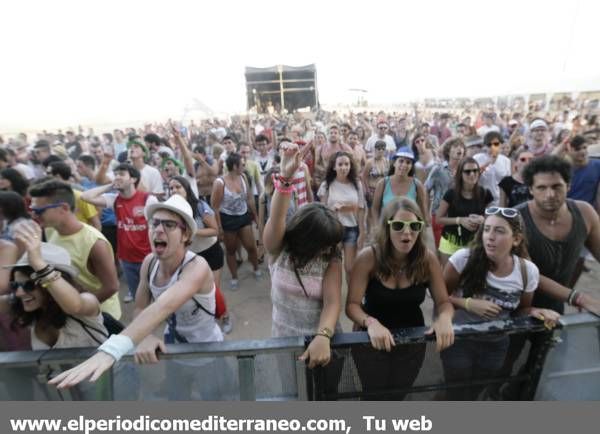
(350, 235)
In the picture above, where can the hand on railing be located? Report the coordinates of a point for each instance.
(444, 333)
(549, 317)
(381, 337)
(318, 352)
(146, 350)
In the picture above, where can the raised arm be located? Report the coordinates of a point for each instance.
(94, 195)
(275, 226)
(9, 254)
(101, 176)
(70, 300)
(180, 142)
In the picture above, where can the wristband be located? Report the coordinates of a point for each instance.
(283, 186)
(577, 300)
(467, 304)
(572, 295)
(117, 346)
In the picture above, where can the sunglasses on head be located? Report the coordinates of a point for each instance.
(28, 286)
(509, 213)
(399, 225)
(470, 171)
(168, 225)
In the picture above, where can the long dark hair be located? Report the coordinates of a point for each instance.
(418, 269)
(414, 147)
(392, 169)
(189, 194)
(331, 174)
(51, 314)
(312, 231)
(474, 275)
(12, 206)
(18, 183)
(478, 191)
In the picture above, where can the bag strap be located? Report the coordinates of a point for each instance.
(181, 267)
(524, 276)
(87, 327)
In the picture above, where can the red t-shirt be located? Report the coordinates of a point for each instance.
(132, 228)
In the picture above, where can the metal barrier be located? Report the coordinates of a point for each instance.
(268, 369)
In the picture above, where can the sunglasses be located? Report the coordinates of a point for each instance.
(495, 144)
(38, 211)
(27, 286)
(380, 147)
(415, 226)
(525, 160)
(168, 225)
(470, 171)
(509, 213)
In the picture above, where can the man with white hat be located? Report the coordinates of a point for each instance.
(177, 286)
(538, 141)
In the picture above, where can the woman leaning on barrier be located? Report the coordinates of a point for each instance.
(305, 266)
(492, 279)
(387, 287)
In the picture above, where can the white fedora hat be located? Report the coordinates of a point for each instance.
(179, 206)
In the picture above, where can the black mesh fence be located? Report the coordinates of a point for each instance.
(500, 360)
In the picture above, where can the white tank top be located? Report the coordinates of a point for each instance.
(191, 322)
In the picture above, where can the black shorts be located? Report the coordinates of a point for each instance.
(233, 223)
(214, 256)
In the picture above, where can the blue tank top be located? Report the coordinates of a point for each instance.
(388, 194)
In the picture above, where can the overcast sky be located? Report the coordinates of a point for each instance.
(71, 62)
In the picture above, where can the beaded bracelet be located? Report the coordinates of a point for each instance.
(42, 273)
(52, 277)
(283, 186)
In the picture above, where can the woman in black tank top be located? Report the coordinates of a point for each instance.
(387, 286)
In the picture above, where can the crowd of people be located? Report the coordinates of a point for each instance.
(493, 215)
